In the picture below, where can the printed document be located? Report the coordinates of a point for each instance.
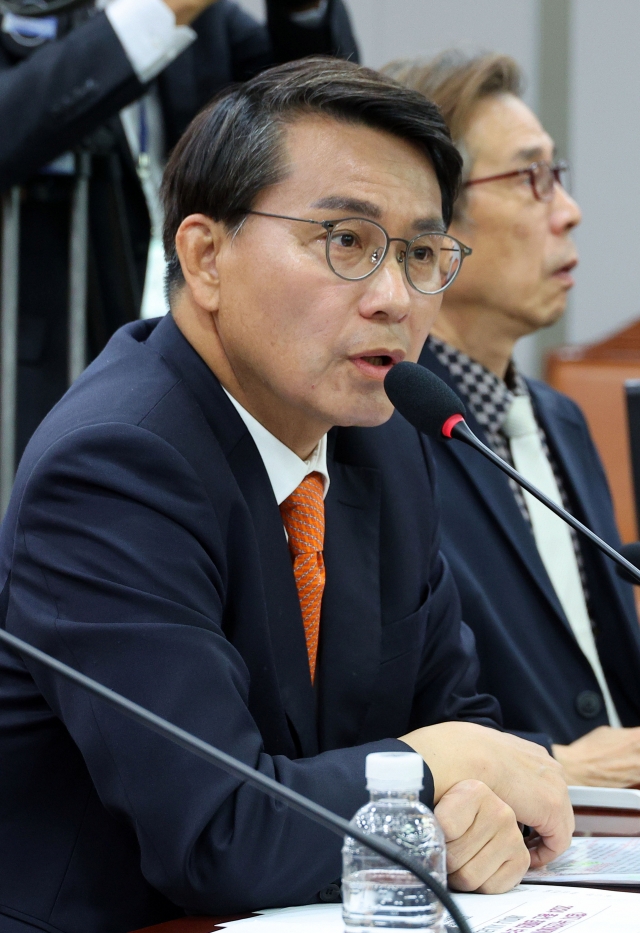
(609, 860)
(530, 908)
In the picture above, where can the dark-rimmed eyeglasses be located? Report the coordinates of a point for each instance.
(543, 177)
(356, 247)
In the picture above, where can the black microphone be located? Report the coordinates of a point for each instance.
(432, 407)
(239, 769)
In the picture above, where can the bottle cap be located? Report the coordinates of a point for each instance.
(394, 771)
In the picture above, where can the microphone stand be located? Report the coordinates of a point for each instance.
(239, 769)
(457, 427)
(9, 276)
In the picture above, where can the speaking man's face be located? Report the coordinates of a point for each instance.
(523, 255)
(303, 348)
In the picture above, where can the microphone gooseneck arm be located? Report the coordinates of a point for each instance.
(239, 769)
(431, 406)
(457, 427)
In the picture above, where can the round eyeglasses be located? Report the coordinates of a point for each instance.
(356, 247)
(543, 177)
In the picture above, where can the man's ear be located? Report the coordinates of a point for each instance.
(198, 243)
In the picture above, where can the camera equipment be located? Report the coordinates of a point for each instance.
(35, 8)
(9, 301)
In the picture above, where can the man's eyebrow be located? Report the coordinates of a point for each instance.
(358, 208)
(353, 206)
(429, 225)
(533, 154)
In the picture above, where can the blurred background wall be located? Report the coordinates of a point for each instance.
(581, 59)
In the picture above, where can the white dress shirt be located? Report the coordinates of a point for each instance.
(148, 33)
(284, 468)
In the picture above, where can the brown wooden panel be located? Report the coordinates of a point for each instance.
(591, 821)
(597, 385)
(623, 345)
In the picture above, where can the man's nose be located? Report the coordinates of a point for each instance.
(388, 292)
(565, 212)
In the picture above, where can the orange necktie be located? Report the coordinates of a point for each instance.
(303, 517)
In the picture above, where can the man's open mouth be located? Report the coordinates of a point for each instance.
(378, 360)
(377, 365)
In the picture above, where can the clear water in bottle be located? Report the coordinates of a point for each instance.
(376, 894)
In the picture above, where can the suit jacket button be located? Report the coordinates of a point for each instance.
(589, 704)
(331, 894)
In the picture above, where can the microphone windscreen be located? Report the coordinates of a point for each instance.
(422, 397)
(630, 552)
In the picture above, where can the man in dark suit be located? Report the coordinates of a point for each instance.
(66, 94)
(556, 629)
(190, 527)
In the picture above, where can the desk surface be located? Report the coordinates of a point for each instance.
(589, 822)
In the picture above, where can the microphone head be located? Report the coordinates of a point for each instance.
(630, 552)
(422, 398)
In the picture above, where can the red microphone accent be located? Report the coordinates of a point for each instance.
(450, 424)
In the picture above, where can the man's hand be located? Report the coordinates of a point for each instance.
(605, 757)
(187, 10)
(522, 774)
(485, 848)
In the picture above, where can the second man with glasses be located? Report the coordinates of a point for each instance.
(556, 629)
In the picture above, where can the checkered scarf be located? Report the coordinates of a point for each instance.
(490, 398)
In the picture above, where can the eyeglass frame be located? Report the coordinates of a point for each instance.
(555, 167)
(330, 224)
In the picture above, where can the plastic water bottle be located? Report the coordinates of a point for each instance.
(377, 894)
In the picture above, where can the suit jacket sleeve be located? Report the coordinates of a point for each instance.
(60, 94)
(120, 570)
(64, 91)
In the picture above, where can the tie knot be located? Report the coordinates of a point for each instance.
(303, 516)
(520, 420)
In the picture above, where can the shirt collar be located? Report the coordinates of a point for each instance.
(488, 396)
(284, 468)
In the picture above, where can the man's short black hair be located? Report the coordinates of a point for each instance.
(233, 149)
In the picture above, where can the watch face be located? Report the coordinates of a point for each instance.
(21, 34)
(28, 24)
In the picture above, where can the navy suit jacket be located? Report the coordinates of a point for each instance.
(530, 659)
(144, 546)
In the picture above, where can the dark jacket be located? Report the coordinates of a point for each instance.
(67, 94)
(530, 659)
(143, 545)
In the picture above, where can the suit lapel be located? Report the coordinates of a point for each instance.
(350, 628)
(286, 630)
(494, 490)
(565, 437)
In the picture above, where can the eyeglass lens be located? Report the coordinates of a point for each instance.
(356, 247)
(544, 177)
